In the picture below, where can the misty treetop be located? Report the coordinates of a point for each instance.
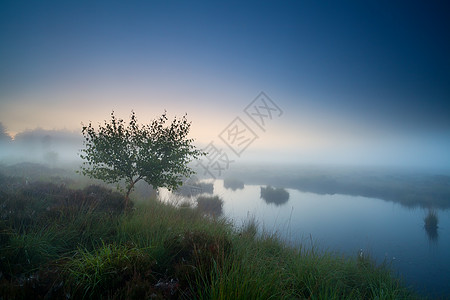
(156, 153)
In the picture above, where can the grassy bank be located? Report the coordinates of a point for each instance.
(61, 243)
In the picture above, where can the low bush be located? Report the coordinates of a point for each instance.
(278, 196)
(107, 269)
(233, 184)
(211, 205)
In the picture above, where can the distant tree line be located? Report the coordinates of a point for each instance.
(39, 145)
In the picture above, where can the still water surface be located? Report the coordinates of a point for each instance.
(348, 224)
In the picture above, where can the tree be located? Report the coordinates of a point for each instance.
(155, 153)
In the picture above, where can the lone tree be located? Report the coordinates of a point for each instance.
(155, 153)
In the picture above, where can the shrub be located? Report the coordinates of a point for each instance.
(233, 184)
(37, 204)
(278, 196)
(211, 205)
(196, 252)
(431, 225)
(108, 268)
(431, 220)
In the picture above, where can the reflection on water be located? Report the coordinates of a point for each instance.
(346, 224)
(387, 231)
(411, 188)
(194, 187)
(277, 196)
(431, 225)
(233, 184)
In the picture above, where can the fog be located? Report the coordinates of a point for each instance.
(55, 148)
(424, 154)
(410, 172)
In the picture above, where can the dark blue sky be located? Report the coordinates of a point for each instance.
(359, 72)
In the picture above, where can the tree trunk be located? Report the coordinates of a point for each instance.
(127, 196)
(126, 200)
(130, 188)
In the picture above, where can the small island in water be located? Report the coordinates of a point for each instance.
(278, 196)
(233, 184)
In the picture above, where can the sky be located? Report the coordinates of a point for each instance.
(349, 82)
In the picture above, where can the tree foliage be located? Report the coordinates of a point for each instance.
(155, 153)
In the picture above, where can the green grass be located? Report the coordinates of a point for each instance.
(61, 243)
(107, 268)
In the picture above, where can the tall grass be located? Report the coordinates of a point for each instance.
(107, 268)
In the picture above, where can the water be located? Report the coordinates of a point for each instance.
(346, 224)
